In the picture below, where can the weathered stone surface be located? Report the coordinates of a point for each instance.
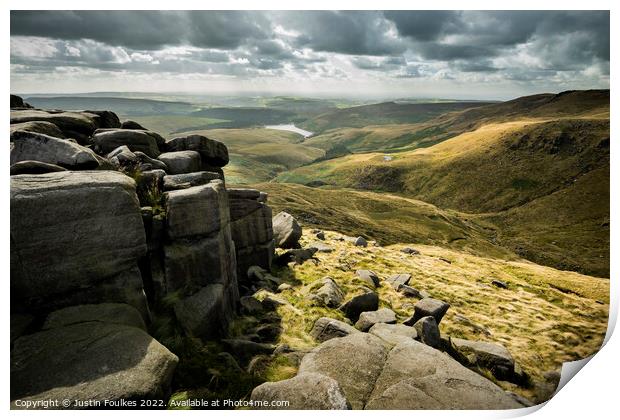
(181, 162)
(111, 313)
(40, 147)
(327, 328)
(122, 157)
(184, 181)
(310, 391)
(370, 318)
(492, 356)
(428, 331)
(73, 124)
(18, 102)
(212, 152)
(93, 361)
(104, 141)
(192, 264)
(326, 292)
(131, 125)
(397, 279)
(409, 291)
(159, 140)
(286, 230)
(58, 248)
(251, 230)
(206, 314)
(34, 167)
(354, 361)
(393, 333)
(41, 127)
(416, 376)
(428, 307)
(368, 301)
(196, 211)
(107, 119)
(369, 277)
(359, 241)
(148, 164)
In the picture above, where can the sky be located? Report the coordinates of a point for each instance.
(367, 54)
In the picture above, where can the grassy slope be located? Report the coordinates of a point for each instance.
(383, 113)
(545, 317)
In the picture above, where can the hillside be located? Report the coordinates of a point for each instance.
(384, 113)
(513, 171)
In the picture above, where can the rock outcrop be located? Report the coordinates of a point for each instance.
(286, 231)
(375, 374)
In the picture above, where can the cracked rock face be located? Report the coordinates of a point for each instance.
(376, 374)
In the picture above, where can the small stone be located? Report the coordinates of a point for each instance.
(409, 291)
(320, 235)
(398, 279)
(368, 301)
(359, 241)
(369, 277)
(499, 283)
(327, 328)
(368, 319)
(410, 251)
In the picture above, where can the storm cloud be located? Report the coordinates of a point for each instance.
(529, 50)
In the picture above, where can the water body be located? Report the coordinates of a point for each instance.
(290, 127)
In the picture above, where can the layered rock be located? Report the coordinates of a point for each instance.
(76, 237)
(251, 230)
(105, 141)
(77, 125)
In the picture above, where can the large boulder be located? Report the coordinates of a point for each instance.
(354, 361)
(326, 292)
(197, 211)
(112, 313)
(105, 141)
(18, 102)
(418, 377)
(183, 162)
(131, 125)
(107, 119)
(26, 145)
(91, 361)
(393, 333)
(41, 127)
(58, 249)
(286, 230)
(396, 280)
(311, 391)
(428, 331)
(327, 328)
(370, 318)
(368, 301)
(212, 152)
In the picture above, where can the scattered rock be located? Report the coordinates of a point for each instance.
(444, 260)
(410, 251)
(397, 279)
(393, 333)
(369, 277)
(34, 167)
(359, 241)
(491, 356)
(428, 331)
(286, 230)
(368, 301)
(297, 256)
(409, 291)
(368, 319)
(328, 293)
(321, 247)
(320, 235)
(428, 307)
(327, 328)
(311, 391)
(181, 162)
(500, 284)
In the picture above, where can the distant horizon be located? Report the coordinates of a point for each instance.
(463, 55)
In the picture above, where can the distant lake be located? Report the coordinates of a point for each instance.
(290, 127)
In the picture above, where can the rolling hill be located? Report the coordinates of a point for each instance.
(537, 169)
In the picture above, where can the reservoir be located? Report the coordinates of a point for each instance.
(290, 127)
